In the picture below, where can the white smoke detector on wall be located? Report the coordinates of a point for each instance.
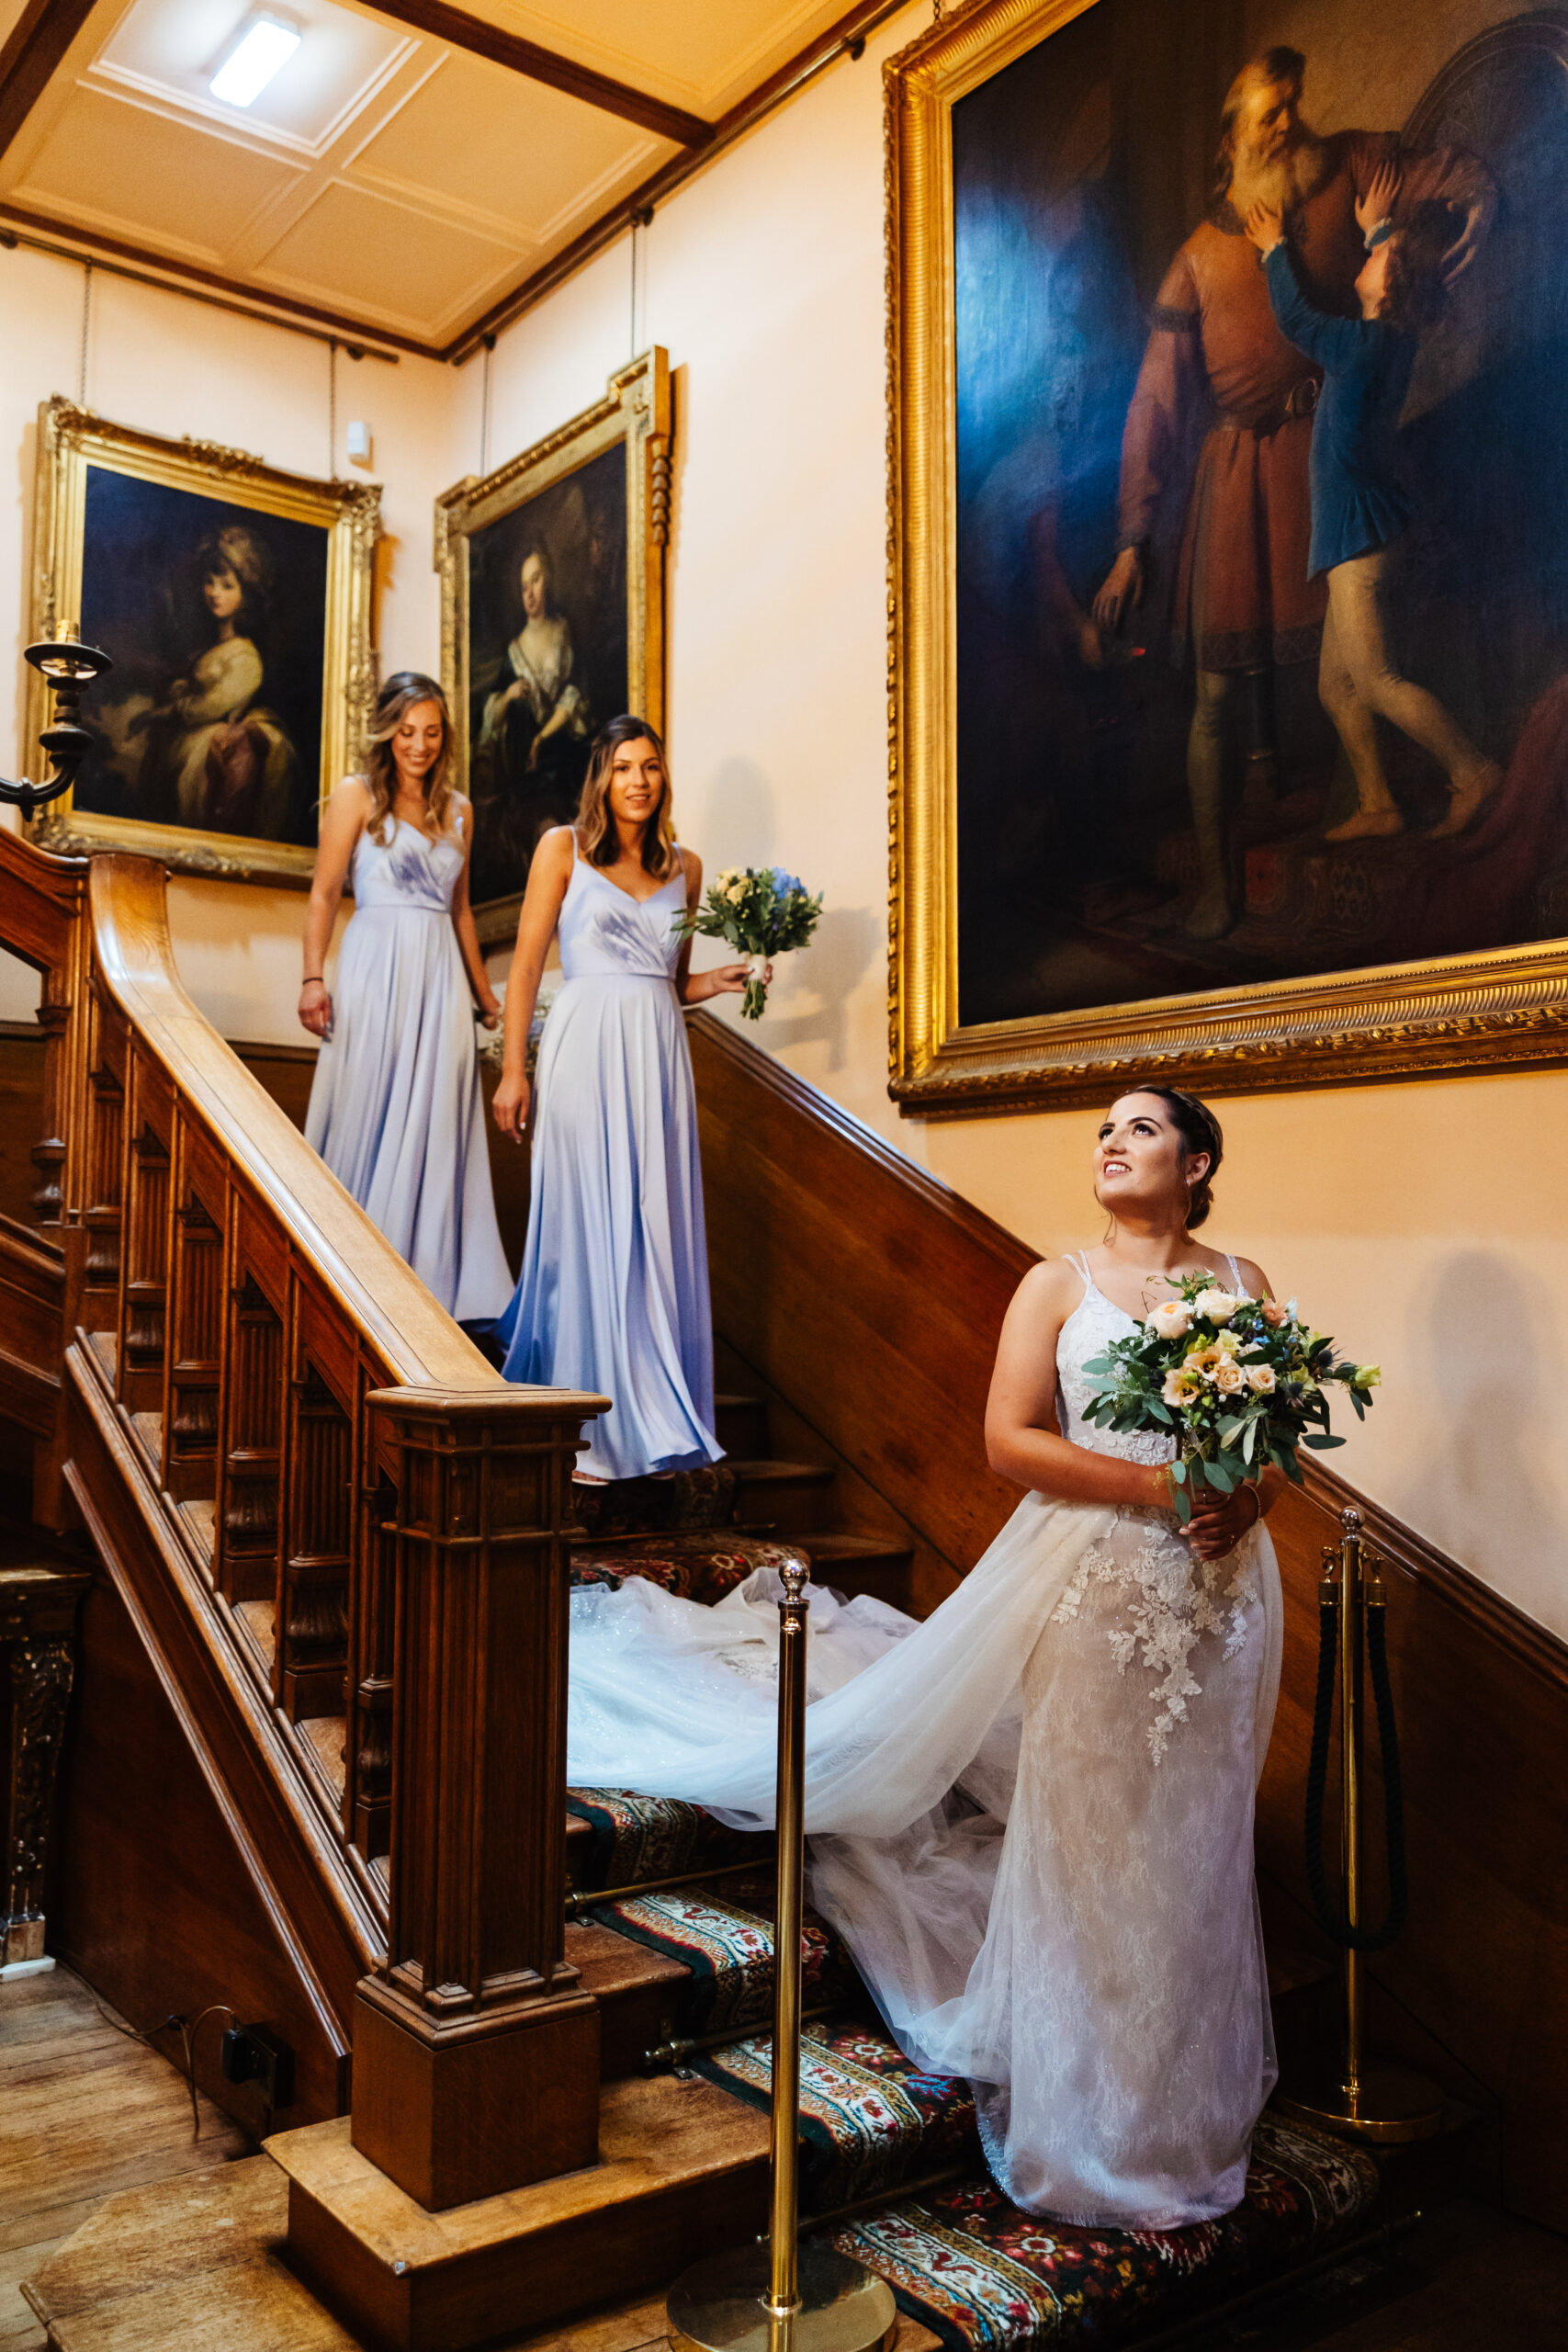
(359, 442)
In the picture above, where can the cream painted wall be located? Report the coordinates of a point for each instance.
(1423, 1223)
(177, 367)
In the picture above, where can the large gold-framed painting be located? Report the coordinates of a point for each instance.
(1229, 485)
(552, 617)
(235, 600)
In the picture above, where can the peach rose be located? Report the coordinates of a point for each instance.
(1172, 1319)
(1260, 1378)
(1228, 1376)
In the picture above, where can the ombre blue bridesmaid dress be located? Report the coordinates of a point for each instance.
(614, 1292)
(396, 1110)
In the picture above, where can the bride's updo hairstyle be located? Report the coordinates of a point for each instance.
(595, 830)
(1199, 1131)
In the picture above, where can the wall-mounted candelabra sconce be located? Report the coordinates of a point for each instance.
(69, 667)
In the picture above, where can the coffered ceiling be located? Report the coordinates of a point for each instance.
(415, 172)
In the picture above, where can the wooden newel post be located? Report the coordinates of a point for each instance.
(476, 2057)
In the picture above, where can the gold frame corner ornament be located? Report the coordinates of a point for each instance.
(636, 410)
(70, 440)
(1485, 1009)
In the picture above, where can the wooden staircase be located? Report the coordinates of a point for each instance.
(272, 1440)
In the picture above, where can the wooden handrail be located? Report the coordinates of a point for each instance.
(351, 1523)
(379, 1293)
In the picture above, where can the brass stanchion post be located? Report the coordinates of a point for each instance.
(784, 2297)
(1382, 2103)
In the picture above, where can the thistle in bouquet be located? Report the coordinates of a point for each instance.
(764, 912)
(1237, 1383)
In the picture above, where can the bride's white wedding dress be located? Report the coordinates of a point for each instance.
(1031, 1817)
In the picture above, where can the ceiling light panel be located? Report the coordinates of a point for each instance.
(165, 50)
(263, 50)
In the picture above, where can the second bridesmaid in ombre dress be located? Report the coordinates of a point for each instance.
(614, 1292)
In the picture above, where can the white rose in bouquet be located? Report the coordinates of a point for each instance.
(1215, 1305)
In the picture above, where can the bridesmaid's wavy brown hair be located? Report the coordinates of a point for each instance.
(595, 826)
(397, 698)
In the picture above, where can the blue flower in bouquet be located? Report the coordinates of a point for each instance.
(763, 912)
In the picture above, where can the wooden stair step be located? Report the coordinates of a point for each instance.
(741, 1424)
(682, 2171)
(853, 1562)
(784, 1498)
(713, 1942)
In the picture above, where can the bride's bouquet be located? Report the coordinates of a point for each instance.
(1237, 1383)
(764, 912)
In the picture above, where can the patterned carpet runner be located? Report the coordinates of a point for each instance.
(869, 2120)
(633, 1838)
(988, 2278)
(724, 1936)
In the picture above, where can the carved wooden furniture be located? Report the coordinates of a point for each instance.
(335, 1533)
(38, 1600)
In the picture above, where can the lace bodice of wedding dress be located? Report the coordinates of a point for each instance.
(1029, 1818)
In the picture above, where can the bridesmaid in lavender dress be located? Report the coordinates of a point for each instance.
(395, 1106)
(614, 1292)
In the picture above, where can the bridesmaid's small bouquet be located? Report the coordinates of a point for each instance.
(1237, 1383)
(764, 912)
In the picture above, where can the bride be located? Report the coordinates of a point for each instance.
(1031, 1817)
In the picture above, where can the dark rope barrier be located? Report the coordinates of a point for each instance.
(1333, 1920)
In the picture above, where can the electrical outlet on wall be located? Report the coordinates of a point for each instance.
(251, 2055)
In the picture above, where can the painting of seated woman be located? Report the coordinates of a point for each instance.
(212, 717)
(233, 600)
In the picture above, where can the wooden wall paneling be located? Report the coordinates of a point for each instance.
(161, 1908)
(1482, 1701)
(32, 1301)
(21, 1118)
(868, 1294)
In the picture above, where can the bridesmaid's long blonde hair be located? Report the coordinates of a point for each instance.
(595, 827)
(397, 698)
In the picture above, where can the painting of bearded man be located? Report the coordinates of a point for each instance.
(1243, 596)
(1169, 749)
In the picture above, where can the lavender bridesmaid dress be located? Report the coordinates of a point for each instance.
(614, 1292)
(396, 1110)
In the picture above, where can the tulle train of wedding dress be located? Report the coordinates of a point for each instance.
(1031, 1818)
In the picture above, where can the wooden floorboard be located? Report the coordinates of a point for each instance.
(84, 2111)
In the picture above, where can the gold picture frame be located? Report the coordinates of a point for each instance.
(482, 526)
(325, 675)
(1505, 1006)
